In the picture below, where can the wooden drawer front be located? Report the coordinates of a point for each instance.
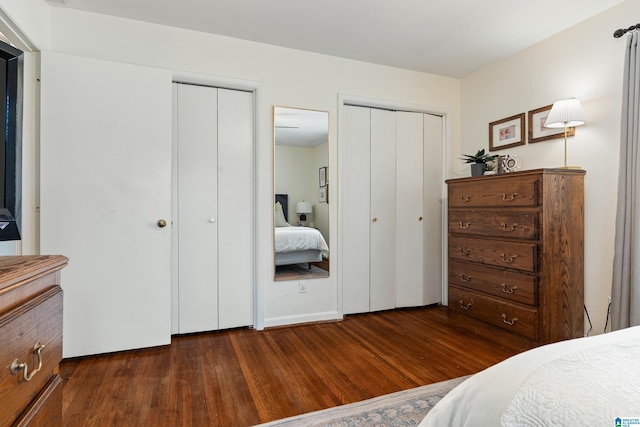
(494, 223)
(518, 255)
(38, 319)
(46, 409)
(500, 313)
(502, 192)
(507, 284)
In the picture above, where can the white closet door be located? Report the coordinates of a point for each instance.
(197, 153)
(105, 176)
(355, 203)
(383, 212)
(409, 210)
(235, 208)
(433, 207)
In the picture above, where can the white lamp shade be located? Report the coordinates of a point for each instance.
(303, 208)
(566, 112)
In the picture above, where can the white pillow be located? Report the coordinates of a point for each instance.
(279, 215)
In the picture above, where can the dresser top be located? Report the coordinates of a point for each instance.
(542, 171)
(16, 269)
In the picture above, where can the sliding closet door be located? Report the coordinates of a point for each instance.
(196, 111)
(383, 210)
(433, 208)
(105, 181)
(409, 253)
(214, 227)
(235, 208)
(355, 205)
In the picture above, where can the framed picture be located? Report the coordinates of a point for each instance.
(323, 176)
(322, 194)
(506, 133)
(537, 132)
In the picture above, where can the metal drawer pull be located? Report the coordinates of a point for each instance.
(464, 251)
(509, 322)
(508, 291)
(464, 225)
(17, 366)
(508, 260)
(507, 228)
(509, 198)
(464, 278)
(465, 199)
(466, 307)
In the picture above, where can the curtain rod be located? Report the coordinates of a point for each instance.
(622, 31)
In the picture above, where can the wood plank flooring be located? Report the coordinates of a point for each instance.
(244, 377)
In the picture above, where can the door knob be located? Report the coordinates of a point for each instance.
(212, 220)
(162, 223)
(374, 219)
(419, 218)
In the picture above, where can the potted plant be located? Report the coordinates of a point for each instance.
(478, 161)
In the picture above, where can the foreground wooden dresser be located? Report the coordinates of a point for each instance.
(516, 251)
(30, 340)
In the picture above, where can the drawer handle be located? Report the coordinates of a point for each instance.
(508, 260)
(464, 225)
(509, 198)
(466, 307)
(465, 199)
(17, 366)
(509, 322)
(508, 291)
(508, 228)
(464, 251)
(464, 278)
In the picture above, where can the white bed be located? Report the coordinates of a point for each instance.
(581, 382)
(297, 245)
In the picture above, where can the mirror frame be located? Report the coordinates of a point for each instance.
(291, 126)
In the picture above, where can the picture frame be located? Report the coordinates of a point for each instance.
(507, 133)
(323, 194)
(536, 130)
(322, 176)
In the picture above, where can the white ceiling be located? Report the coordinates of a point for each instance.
(446, 37)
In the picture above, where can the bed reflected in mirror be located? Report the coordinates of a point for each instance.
(301, 204)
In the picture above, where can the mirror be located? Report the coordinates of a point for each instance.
(301, 205)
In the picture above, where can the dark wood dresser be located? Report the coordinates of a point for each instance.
(30, 340)
(516, 250)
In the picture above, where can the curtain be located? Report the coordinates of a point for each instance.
(625, 290)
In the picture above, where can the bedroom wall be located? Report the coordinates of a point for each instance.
(287, 77)
(584, 62)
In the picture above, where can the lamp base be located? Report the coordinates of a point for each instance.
(571, 167)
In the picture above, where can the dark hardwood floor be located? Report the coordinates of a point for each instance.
(244, 377)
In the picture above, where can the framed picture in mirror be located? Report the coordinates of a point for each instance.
(322, 175)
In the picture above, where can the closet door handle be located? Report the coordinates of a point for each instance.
(212, 220)
(374, 219)
(162, 223)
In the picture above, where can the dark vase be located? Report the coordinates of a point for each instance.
(477, 169)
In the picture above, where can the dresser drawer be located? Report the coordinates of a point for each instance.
(518, 255)
(507, 284)
(513, 225)
(499, 192)
(37, 320)
(503, 314)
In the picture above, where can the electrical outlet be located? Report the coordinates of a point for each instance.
(303, 286)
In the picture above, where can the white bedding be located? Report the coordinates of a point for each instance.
(293, 239)
(581, 382)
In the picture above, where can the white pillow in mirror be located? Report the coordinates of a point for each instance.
(279, 215)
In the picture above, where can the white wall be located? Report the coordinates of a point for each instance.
(287, 77)
(584, 62)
